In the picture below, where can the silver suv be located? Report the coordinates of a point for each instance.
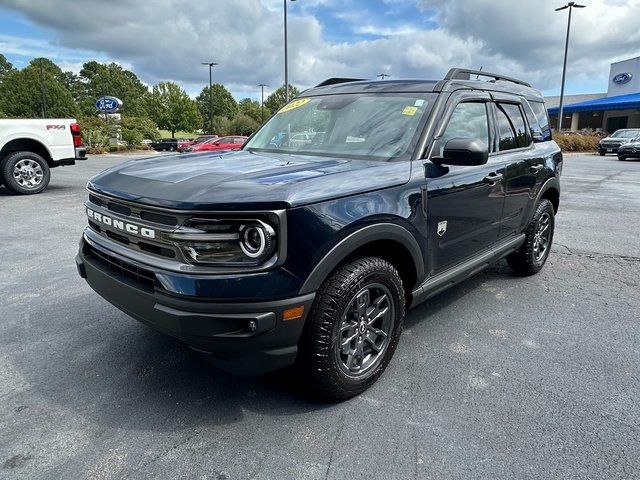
(612, 143)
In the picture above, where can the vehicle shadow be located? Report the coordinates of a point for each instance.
(124, 375)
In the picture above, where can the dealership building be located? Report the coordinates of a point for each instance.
(618, 108)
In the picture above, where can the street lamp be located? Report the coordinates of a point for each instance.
(211, 65)
(262, 85)
(43, 98)
(383, 76)
(286, 54)
(570, 6)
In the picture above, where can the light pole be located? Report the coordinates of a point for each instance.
(42, 94)
(262, 85)
(570, 6)
(383, 76)
(286, 54)
(211, 65)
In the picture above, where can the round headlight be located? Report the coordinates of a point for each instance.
(256, 240)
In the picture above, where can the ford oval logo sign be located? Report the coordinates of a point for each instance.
(622, 78)
(108, 104)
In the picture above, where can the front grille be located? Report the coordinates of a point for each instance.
(140, 276)
(139, 215)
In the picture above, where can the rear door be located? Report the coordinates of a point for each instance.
(524, 163)
(464, 204)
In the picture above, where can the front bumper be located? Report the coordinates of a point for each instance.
(216, 328)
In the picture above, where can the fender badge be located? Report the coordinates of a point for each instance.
(442, 228)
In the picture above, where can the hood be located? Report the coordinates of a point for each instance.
(256, 180)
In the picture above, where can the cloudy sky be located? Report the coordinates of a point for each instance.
(167, 39)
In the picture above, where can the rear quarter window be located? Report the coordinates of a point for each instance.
(538, 120)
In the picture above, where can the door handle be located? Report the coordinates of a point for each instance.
(535, 168)
(492, 178)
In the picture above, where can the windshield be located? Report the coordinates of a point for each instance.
(372, 126)
(626, 134)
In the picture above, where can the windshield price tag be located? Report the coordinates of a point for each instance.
(295, 104)
(410, 111)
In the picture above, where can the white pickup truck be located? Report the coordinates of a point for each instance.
(29, 148)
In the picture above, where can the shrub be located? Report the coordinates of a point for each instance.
(578, 141)
(243, 125)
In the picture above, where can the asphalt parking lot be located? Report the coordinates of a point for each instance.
(499, 377)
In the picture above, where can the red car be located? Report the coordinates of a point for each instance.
(224, 143)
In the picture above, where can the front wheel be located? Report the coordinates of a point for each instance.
(532, 255)
(25, 173)
(602, 153)
(353, 328)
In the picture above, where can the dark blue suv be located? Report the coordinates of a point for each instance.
(356, 201)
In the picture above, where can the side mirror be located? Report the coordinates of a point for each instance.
(464, 151)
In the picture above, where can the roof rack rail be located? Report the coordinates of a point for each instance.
(333, 81)
(465, 74)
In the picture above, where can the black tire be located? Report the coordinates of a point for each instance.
(621, 158)
(602, 154)
(333, 318)
(528, 259)
(34, 166)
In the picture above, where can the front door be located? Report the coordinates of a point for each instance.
(464, 204)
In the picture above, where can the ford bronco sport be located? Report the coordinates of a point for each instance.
(311, 253)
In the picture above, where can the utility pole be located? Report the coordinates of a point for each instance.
(262, 85)
(42, 94)
(383, 76)
(570, 6)
(286, 55)
(211, 65)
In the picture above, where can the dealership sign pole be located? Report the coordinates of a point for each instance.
(570, 6)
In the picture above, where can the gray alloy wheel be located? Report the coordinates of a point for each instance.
(353, 328)
(365, 330)
(533, 253)
(542, 239)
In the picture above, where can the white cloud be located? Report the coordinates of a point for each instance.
(167, 39)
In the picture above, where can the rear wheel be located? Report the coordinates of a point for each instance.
(532, 255)
(25, 173)
(353, 328)
(621, 158)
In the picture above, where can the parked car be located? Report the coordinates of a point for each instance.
(223, 143)
(312, 254)
(613, 142)
(201, 139)
(170, 144)
(629, 150)
(29, 148)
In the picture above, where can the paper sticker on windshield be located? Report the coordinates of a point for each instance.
(409, 111)
(419, 103)
(295, 104)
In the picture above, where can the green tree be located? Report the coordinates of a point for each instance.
(243, 125)
(224, 105)
(21, 94)
(251, 108)
(221, 126)
(276, 100)
(173, 109)
(6, 67)
(98, 79)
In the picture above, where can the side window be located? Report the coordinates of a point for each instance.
(540, 111)
(512, 127)
(468, 120)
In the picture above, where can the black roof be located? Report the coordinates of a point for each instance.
(455, 79)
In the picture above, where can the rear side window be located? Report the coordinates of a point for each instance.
(539, 120)
(512, 129)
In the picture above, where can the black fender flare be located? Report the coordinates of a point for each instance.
(357, 239)
(551, 182)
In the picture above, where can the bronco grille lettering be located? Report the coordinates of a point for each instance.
(121, 225)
